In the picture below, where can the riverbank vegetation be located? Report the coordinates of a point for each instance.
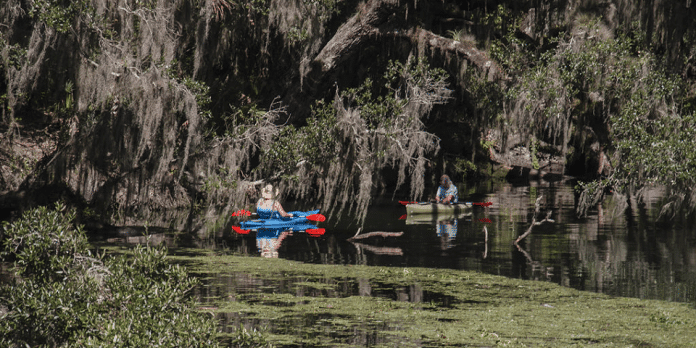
(138, 108)
(60, 294)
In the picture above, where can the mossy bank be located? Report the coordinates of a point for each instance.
(300, 304)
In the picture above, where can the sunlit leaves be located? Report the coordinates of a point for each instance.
(77, 299)
(59, 14)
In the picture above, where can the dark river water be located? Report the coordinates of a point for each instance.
(618, 249)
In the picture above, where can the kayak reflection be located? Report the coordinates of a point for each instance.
(447, 231)
(268, 241)
(445, 225)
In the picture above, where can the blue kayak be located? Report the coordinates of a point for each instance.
(299, 222)
(299, 218)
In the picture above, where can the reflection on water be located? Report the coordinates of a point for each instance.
(447, 231)
(268, 240)
(619, 249)
(242, 287)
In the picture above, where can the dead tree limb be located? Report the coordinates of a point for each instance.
(485, 251)
(376, 234)
(379, 250)
(537, 207)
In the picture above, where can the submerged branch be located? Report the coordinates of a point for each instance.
(378, 250)
(537, 207)
(376, 234)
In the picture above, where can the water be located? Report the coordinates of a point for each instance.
(617, 250)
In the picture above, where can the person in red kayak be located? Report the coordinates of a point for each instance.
(447, 192)
(268, 207)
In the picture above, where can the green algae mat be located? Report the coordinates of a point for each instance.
(296, 304)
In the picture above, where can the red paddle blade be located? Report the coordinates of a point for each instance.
(406, 202)
(486, 204)
(241, 212)
(316, 217)
(403, 217)
(315, 232)
(240, 230)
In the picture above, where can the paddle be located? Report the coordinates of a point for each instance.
(312, 217)
(315, 232)
(240, 230)
(483, 204)
(242, 212)
(316, 217)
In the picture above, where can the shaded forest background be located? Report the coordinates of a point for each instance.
(141, 109)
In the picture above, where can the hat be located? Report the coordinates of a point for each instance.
(268, 192)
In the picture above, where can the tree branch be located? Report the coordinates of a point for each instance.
(537, 207)
(376, 20)
(376, 234)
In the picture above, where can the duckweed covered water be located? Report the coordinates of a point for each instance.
(341, 305)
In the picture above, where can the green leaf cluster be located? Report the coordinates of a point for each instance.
(62, 295)
(58, 14)
(43, 243)
(314, 144)
(611, 82)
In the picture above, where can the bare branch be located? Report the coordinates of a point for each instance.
(537, 207)
(376, 234)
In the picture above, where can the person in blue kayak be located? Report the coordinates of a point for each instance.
(447, 192)
(268, 207)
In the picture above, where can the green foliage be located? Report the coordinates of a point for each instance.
(455, 34)
(43, 243)
(58, 14)
(63, 296)
(418, 71)
(533, 153)
(147, 4)
(297, 34)
(69, 89)
(223, 179)
(379, 103)
(369, 127)
(243, 338)
(258, 7)
(464, 167)
(313, 144)
(609, 81)
(202, 93)
(498, 19)
(16, 57)
(376, 107)
(242, 119)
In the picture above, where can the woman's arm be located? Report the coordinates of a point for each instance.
(280, 210)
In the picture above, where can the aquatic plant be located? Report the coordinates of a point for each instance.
(310, 304)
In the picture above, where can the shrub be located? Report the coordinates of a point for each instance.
(62, 295)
